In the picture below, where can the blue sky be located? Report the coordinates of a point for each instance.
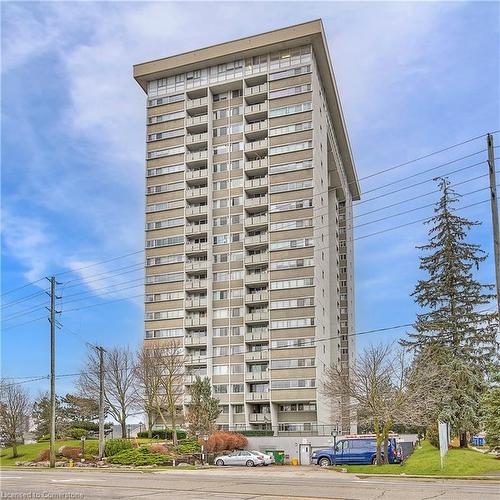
(413, 78)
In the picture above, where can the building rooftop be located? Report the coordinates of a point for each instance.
(311, 32)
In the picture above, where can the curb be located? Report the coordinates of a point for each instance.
(415, 476)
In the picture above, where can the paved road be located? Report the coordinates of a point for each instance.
(273, 483)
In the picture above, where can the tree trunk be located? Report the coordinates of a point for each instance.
(378, 434)
(123, 424)
(386, 443)
(174, 428)
(150, 424)
(463, 440)
(14, 448)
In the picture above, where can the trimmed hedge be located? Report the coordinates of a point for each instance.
(140, 456)
(76, 432)
(163, 434)
(114, 446)
(257, 433)
(188, 446)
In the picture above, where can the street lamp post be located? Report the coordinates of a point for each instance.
(204, 447)
(334, 435)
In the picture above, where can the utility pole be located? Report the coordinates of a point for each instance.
(101, 351)
(494, 213)
(52, 320)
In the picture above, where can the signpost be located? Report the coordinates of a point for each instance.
(443, 441)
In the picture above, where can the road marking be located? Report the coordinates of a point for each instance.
(10, 477)
(76, 479)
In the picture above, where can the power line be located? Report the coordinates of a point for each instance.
(21, 287)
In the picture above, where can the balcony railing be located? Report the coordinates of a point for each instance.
(196, 284)
(258, 396)
(196, 265)
(196, 359)
(255, 337)
(196, 228)
(197, 210)
(260, 164)
(256, 108)
(256, 201)
(256, 239)
(257, 277)
(196, 156)
(195, 138)
(255, 183)
(257, 258)
(257, 297)
(196, 174)
(196, 247)
(195, 303)
(256, 89)
(196, 120)
(195, 321)
(197, 103)
(195, 340)
(255, 145)
(197, 192)
(256, 126)
(257, 376)
(257, 316)
(257, 356)
(260, 417)
(257, 220)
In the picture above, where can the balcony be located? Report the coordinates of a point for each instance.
(196, 157)
(192, 121)
(256, 90)
(196, 228)
(259, 417)
(257, 258)
(257, 297)
(256, 126)
(256, 337)
(196, 247)
(257, 202)
(256, 111)
(195, 340)
(197, 105)
(257, 240)
(258, 396)
(251, 376)
(196, 303)
(196, 193)
(257, 277)
(196, 174)
(196, 284)
(257, 146)
(196, 139)
(196, 359)
(197, 210)
(195, 321)
(257, 356)
(257, 185)
(257, 317)
(257, 220)
(196, 265)
(258, 166)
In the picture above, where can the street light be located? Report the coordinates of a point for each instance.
(203, 448)
(335, 434)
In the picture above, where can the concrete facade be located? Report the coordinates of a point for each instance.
(249, 260)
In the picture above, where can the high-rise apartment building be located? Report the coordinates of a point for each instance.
(249, 255)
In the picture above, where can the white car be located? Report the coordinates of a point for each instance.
(268, 459)
(240, 457)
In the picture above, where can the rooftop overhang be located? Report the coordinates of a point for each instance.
(293, 36)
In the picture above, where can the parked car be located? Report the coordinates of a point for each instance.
(240, 457)
(268, 459)
(359, 451)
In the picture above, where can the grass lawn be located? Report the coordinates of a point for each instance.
(28, 452)
(425, 461)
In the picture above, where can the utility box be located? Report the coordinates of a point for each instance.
(279, 456)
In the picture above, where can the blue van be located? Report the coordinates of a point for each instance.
(361, 451)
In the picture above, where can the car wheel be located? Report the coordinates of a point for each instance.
(250, 463)
(219, 462)
(374, 460)
(324, 462)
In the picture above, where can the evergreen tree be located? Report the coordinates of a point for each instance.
(491, 410)
(454, 327)
(203, 409)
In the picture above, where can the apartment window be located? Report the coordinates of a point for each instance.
(290, 205)
(221, 149)
(286, 304)
(291, 186)
(238, 388)
(161, 224)
(237, 331)
(293, 384)
(219, 388)
(160, 153)
(164, 333)
(236, 312)
(293, 407)
(292, 323)
(221, 203)
(221, 370)
(223, 96)
(164, 278)
(236, 219)
(220, 313)
(291, 264)
(165, 259)
(291, 109)
(238, 409)
(236, 110)
(289, 244)
(237, 293)
(235, 237)
(230, 129)
(160, 297)
(236, 200)
(165, 188)
(222, 276)
(290, 57)
(237, 368)
(218, 185)
(290, 129)
(220, 221)
(292, 224)
(220, 332)
(225, 166)
(236, 146)
(290, 167)
(221, 294)
(165, 170)
(298, 89)
(290, 148)
(165, 242)
(158, 207)
(167, 134)
(170, 314)
(221, 113)
(237, 349)
(165, 100)
(165, 117)
(221, 350)
(296, 283)
(292, 363)
(292, 343)
(237, 275)
(221, 239)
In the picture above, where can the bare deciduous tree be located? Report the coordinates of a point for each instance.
(15, 405)
(119, 382)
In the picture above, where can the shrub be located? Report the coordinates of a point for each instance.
(158, 448)
(76, 432)
(432, 435)
(141, 456)
(44, 455)
(114, 446)
(42, 439)
(92, 448)
(71, 452)
(188, 446)
(222, 441)
(85, 424)
(257, 433)
(163, 434)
